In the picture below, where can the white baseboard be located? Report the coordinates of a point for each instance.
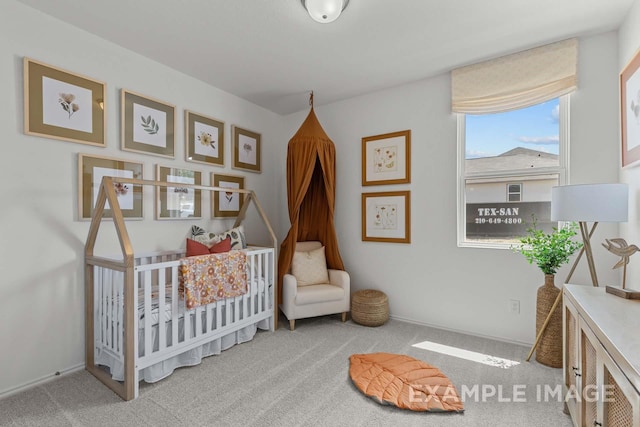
(444, 328)
(40, 381)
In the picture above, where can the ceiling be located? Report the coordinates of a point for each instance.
(271, 53)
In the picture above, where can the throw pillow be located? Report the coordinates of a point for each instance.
(195, 248)
(236, 234)
(310, 268)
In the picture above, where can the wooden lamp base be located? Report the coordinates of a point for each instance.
(623, 293)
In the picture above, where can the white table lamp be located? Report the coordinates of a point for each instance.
(589, 203)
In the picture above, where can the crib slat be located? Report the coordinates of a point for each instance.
(146, 282)
(107, 314)
(162, 335)
(267, 280)
(174, 305)
(261, 267)
(186, 321)
(119, 282)
(198, 322)
(218, 315)
(97, 289)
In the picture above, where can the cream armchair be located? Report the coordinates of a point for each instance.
(301, 300)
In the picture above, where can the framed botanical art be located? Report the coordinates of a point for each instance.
(62, 105)
(630, 111)
(91, 169)
(226, 204)
(148, 125)
(386, 217)
(204, 138)
(246, 149)
(178, 202)
(386, 159)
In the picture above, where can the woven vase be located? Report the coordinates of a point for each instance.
(549, 350)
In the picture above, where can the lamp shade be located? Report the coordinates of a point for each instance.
(325, 11)
(590, 203)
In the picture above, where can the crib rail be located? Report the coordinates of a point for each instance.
(164, 327)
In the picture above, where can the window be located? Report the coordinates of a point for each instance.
(514, 192)
(507, 164)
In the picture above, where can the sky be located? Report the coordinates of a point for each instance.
(536, 128)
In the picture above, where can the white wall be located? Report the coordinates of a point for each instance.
(41, 290)
(431, 280)
(629, 43)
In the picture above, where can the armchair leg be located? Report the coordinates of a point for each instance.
(292, 324)
(344, 316)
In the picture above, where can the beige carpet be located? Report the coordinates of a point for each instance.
(301, 378)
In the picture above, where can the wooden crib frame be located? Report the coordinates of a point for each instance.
(128, 389)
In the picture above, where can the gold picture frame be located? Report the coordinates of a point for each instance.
(148, 125)
(386, 217)
(226, 205)
(630, 111)
(62, 105)
(91, 169)
(247, 151)
(204, 139)
(386, 158)
(178, 202)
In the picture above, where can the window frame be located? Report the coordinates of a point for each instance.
(509, 192)
(562, 170)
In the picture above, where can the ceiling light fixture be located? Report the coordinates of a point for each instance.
(324, 11)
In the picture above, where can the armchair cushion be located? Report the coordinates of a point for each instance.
(310, 268)
(318, 294)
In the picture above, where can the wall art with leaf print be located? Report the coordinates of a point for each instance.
(148, 125)
(62, 105)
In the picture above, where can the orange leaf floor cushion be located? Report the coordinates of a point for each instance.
(405, 382)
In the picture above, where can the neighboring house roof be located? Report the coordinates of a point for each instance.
(517, 158)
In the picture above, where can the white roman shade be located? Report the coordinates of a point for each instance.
(516, 81)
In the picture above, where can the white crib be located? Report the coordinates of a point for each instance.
(137, 324)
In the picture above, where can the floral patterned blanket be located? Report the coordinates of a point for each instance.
(214, 277)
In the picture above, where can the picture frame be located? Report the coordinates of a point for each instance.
(226, 205)
(386, 158)
(148, 125)
(204, 139)
(386, 217)
(59, 104)
(247, 150)
(178, 202)
(630, 111)
(92, 168)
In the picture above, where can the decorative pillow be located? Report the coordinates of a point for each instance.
(310, 268)
(195, 248)
(236, 234)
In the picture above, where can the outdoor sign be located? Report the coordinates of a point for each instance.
(507, 220)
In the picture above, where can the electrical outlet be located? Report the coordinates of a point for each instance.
(514, 306)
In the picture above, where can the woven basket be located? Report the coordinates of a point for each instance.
(369, 307)
(549, 350)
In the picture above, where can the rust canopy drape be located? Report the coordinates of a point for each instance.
(311, 194)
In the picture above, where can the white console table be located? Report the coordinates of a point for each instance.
(601, 357)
